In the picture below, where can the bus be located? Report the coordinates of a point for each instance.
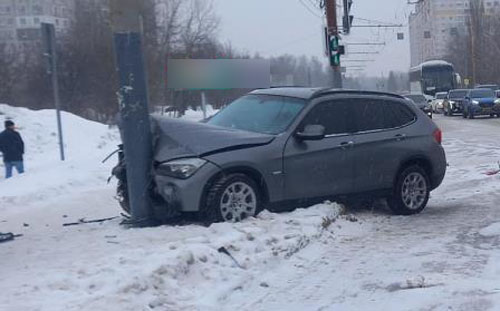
(432, 77)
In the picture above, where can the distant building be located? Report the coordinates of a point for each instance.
(434, 23)
(20, 20)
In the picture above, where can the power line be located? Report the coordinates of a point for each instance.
(309, 9)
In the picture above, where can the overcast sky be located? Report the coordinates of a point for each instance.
(275, 27)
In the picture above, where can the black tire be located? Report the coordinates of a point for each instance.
(213, 211)
(471, 115)
(464, 115)
(398, 203)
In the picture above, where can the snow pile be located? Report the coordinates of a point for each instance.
(491, 230)
(165, 268)
(86, 144)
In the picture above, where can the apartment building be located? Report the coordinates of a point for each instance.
(434, 23)
(20, 20)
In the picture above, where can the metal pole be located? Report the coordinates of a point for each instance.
(204, 104)
(133, 101)
(331, 17)
(48, 34)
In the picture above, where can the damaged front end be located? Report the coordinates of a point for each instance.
(181, 168)
(161, 210)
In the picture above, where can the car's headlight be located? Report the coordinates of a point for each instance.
(182, 168)
(497, 101)
(475, 102)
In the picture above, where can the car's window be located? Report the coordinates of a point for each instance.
(397, 114)
(458, 94)
(482, 93)
(260, 113)
(369, 114)
(333, 115)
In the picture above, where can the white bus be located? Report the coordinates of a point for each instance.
(432, 77)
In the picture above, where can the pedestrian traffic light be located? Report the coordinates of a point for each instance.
(335, 50)
(347, 19)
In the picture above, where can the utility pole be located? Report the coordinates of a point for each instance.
(333, 32)
(133, 102)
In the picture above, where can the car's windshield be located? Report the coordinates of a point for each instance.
(260, 113)
(458, 94)
(482, 93)
(418, 99)
(440, 95)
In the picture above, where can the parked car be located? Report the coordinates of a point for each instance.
(276, 148)
(454, 102)
(437, 102)
(481, 102)
(422, 102)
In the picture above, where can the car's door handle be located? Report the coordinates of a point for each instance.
(347, 144)
(400, 137)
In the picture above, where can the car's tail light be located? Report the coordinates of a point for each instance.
(438, 136)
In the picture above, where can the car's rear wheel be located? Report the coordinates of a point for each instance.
(411, 192)
(471, 115)
(232, 198)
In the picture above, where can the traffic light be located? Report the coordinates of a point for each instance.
(335, 50)
(347, 19)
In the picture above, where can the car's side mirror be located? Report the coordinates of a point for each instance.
(312, 132)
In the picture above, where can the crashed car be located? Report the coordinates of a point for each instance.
(288, 147)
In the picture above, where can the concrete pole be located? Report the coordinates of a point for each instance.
(133, 101)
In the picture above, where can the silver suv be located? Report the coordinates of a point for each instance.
(276, 148)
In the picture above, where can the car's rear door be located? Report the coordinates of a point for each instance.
(324, 167)
(380, 141)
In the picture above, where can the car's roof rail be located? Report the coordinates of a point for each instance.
(332, 91)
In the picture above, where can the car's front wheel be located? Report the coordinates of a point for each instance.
(232, 198)
(411, 191)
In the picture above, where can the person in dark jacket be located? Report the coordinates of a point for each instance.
(12, 148)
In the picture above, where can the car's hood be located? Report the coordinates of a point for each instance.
(489, 100)
(174, 138)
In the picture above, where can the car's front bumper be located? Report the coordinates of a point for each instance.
(485, 110)
(184, 195)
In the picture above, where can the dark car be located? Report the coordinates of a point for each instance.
(276, 148)
(421, 102)
(481, 102)
(454, 102)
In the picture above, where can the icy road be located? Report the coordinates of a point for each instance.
(320, 258)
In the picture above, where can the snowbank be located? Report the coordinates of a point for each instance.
(86, 144)
(491, 230)
(106, 267)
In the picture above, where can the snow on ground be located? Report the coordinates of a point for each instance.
(446, 258)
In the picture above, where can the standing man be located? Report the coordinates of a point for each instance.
(12, 148)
